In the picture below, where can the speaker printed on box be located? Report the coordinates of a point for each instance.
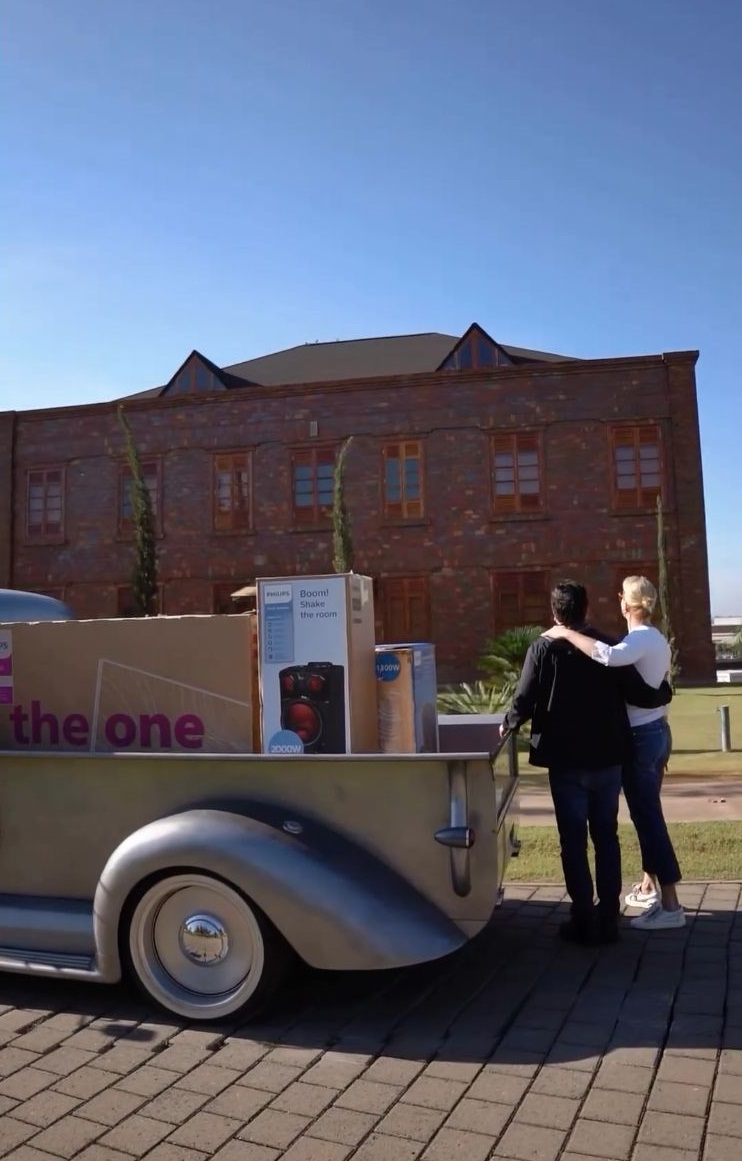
(313, 705)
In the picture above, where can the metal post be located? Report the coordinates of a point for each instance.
(726, 741)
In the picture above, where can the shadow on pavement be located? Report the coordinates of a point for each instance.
(515, 996)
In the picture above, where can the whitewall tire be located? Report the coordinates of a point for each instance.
(197, 947)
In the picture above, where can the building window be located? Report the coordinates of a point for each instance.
(126, 605)
(232, 492)
(476, 352)
(637, 466)
(403, 480)
(45, 503)
(521, 598)
(404, 606)
(193, 379)
(312, 475)
(517, 476)
(151, 474)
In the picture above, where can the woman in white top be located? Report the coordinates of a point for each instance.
(647, 649)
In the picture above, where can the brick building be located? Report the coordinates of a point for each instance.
(479, 474)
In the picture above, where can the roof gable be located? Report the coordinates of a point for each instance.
(197, 375)
(474, 351)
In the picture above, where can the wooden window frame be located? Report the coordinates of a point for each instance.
(413, 587)
(125, 525)
(47, 531)
(514, 443)
(540, 579)
(226, 522)
(314, 515)
(405, 508)
(638, 498)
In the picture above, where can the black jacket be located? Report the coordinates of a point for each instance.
(578, 706)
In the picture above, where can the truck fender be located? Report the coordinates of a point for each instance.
(348, 911)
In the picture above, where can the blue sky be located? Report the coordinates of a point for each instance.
(239, 177)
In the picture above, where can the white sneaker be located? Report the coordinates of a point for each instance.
(638, 898)
(658, 919)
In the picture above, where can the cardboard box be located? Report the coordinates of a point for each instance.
(407, 690)
(151, 684)
(316, 673)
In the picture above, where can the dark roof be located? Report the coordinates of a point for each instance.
(350, 359)
(363, 359)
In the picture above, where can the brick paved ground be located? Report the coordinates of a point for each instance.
(518, 1048)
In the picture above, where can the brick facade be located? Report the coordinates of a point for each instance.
(458, 544)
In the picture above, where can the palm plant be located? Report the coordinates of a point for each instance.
(481, 697)
(501, 663)
(503, 657)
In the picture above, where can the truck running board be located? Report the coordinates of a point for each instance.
(47, 963)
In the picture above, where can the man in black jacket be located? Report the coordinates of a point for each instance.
(580, 732)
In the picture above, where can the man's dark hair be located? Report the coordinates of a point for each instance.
(569, 603)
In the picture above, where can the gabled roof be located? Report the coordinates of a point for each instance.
(476, 342)
(349, 359)
(214, 378)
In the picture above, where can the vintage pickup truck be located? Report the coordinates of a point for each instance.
(204, 877)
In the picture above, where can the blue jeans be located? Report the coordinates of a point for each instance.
(588, 800)
(642, 785)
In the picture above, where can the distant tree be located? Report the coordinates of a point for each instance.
(342, 542)
(663, 591)
(144, 572)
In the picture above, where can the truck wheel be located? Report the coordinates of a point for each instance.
(197, 947)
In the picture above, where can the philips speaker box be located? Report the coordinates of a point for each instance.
(317, 673)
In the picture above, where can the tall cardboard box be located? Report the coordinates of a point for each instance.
(150, 684)
(316, 672)
(407, 689)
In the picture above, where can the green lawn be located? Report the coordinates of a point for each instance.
(705, 850)
(695, 723)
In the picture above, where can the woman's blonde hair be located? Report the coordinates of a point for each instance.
(640, 595)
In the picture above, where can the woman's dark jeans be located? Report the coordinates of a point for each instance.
(642, 786)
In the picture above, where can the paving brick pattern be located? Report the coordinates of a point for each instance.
(520, 1048)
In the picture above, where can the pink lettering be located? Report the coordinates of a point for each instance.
(189, 732)
(75, 730)
(38, 721)
(147, 731)
(120, 730)
(18, 717)
(146, 722)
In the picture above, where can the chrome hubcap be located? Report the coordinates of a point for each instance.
(203, 939)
